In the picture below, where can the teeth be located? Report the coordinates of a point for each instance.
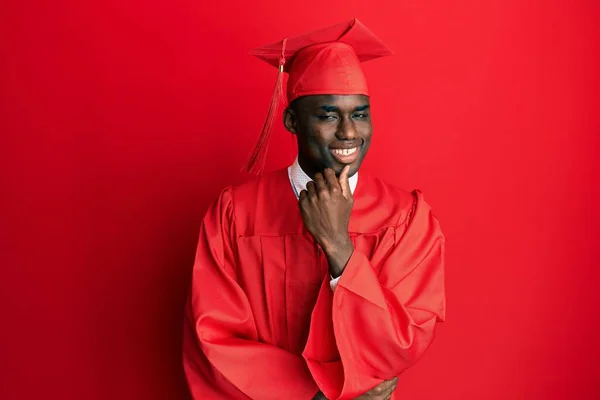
(344, 152)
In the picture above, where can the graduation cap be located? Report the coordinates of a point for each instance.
(326, 61)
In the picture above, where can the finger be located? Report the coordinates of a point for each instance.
(388, 392)
(330, 178)
(377, 390)
(390, 386)
(303, 194)
(389, 383)
(311, 189)
(344, 183)
(320, 182)
(383, 386)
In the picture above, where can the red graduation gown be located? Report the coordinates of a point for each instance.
(262, 322)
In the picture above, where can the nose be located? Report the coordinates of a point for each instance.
(346, 129)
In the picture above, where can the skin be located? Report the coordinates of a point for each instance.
(321, 123)
(383, 391)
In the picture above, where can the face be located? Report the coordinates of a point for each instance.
(332, 131)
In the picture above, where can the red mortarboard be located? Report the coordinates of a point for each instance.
(326, 61)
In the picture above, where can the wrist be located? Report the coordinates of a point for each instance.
(338, 255)
(341, 244)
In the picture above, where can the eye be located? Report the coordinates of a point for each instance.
(327, 117)
(361, 116)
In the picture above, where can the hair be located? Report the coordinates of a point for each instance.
(294, 105)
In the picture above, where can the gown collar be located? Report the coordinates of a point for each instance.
(299, 179)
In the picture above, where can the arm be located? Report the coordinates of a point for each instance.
(222, 353)
(381, 322)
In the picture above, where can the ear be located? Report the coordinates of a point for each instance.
(290, 121)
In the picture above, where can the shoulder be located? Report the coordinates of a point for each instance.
(256, 204)
(237, 194)
(392, 194)
(257, 185)
(386, 204)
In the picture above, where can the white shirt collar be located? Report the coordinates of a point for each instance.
(299, 179)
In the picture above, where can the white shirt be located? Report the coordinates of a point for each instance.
(299, 179)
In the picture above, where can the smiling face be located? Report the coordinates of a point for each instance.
(332, 131)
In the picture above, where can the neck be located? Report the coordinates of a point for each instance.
(311, 172)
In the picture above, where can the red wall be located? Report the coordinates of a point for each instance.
(120, 122)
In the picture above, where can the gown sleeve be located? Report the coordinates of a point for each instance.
(222, 354)
(377, 324)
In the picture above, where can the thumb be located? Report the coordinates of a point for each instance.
(344, 183)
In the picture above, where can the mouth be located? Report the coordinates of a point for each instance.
(346, 156)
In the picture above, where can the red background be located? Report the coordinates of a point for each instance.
(122, 120)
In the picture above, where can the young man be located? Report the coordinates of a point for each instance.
(310, 282)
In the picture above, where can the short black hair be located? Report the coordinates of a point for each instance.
(294, 104)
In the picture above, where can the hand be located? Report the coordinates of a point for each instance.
(326, 205)
(383, 391)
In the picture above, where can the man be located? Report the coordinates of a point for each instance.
(308, 282)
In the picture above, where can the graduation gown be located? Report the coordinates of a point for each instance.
(262, 321)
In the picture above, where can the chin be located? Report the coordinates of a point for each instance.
(353, 169)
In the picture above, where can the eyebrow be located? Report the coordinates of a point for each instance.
(334, 108)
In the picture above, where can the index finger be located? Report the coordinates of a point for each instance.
(344, 183)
